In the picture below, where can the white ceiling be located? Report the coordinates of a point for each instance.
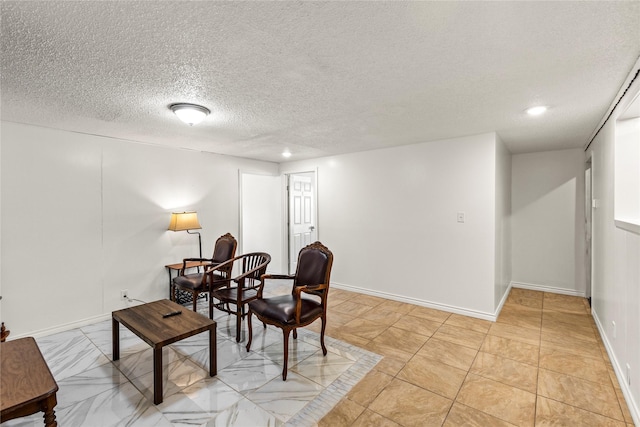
(317, 78)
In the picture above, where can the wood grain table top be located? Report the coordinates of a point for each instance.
(148, 323)
(26, 378)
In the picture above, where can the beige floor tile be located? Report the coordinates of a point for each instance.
(584, 320)
(338, 333)
(464, 416)
(391, 366)
(524, 301)
(623, 403)
(511, 349)
(369, 387)
(336, 318)
(371, 419)
(594, 397)
(455, 355)
(399, 338)
(388, 351)
(343, 414)
(369, 300)
(499, 400)
(506, 371)
(564, 303)
(382, 316)
(520, 318)
(351, 308)
(552, 413)
(527, 293)
(460, 336)
(364, 328)
(585, 333)
(398, 307)
(429, 313)
(467, 322)
(583, 367)
(418, 325)
(516, 333)
(434, 376)
(410, 405)
(572, 345)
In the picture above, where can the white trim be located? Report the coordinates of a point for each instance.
(628, 397)
(444, 307)
(65, 327)
(632, 226)
(550, 289)
(503, 300)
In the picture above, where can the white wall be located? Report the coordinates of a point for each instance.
(503, 223)
(389, 216)
(548, 221)
(616, 271)
(261, 218)
(84, 217)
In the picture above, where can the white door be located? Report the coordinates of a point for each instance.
(302, 221)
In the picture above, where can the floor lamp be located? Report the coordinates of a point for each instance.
(185, 221)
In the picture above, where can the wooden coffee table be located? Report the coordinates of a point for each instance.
(148, 322)
(27, 383)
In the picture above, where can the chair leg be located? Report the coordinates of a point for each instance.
(324, 325)
(238, 325)
(195, 301)
(295, 334)
(210, 298)
(250, 330)
(285, 332)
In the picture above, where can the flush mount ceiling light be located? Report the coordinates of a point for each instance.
(286, 154)
(536, 111)
(191, 114)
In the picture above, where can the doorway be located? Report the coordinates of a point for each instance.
(302, 214)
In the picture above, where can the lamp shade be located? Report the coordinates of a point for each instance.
(181, 221)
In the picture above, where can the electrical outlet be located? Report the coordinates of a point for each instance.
(124, 294)
(628, 375)
(460, 216)
(613, 325)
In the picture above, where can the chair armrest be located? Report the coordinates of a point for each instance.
(186, 260)
(309, 289)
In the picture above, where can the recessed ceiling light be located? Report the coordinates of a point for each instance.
(536, 111)
(191, 114)
(286, 154)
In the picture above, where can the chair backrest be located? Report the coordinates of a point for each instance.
(255, 264)
(225, 248)
(314, 266)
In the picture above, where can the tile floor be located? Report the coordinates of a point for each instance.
(542, 363)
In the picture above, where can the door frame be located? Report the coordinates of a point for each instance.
(285, 209)
(588, 233)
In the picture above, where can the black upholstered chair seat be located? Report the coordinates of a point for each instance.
(283, 309)
(231, 294)
(193, 281)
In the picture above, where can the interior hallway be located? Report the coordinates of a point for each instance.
(542, 363)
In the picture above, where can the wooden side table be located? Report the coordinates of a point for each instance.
(177, 267)
(27, 383)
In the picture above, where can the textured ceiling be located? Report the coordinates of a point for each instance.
(317, 78)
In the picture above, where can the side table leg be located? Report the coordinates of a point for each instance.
(115, 338)
(49, 413)
(213, 362)
(157, 375)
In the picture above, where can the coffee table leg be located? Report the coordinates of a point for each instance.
(49, 412)
(157, 375)
(213, 363)
(115, 338)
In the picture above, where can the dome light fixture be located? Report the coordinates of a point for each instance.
(286, 154)
(191, 114)
(536, 111)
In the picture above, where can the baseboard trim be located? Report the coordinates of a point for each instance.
(546, 288)
(65, 327)
(423, 303)
(628, 397)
